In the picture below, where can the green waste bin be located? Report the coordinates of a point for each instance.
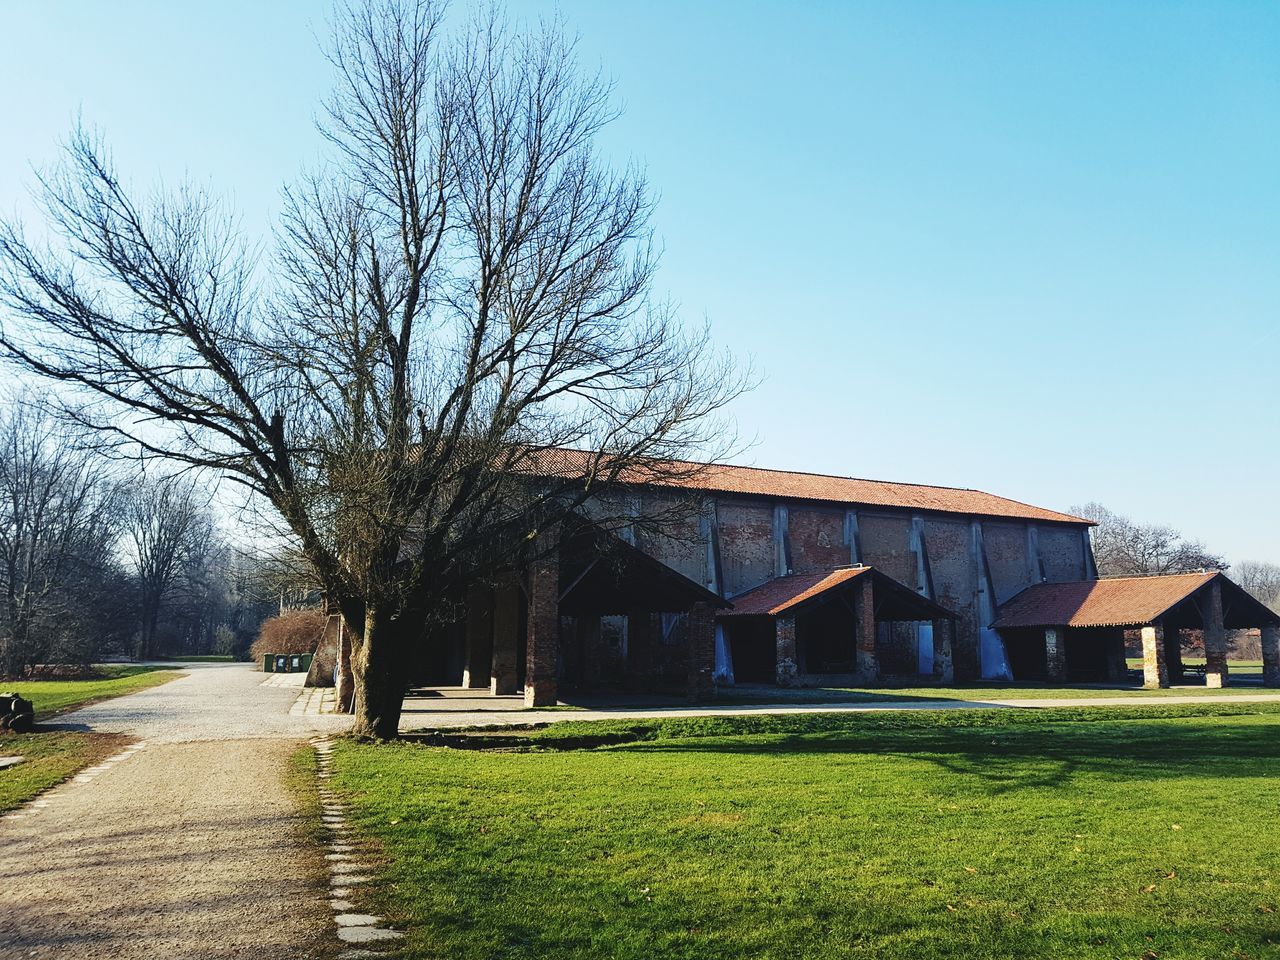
(286, 662)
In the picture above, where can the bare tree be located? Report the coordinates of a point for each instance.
(464, 291)
(169, 530)
(1262, 580)
(1122, 547)
(59, 510)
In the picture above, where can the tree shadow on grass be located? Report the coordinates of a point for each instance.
(1018, 758)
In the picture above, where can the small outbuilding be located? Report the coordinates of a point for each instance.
(836, 627)
(1075, 630)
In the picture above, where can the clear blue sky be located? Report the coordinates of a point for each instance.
(1028, 247)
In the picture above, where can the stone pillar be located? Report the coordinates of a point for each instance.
(345, 694)
(1215, 638)
(1271, 656)
(479, 637)
(1055, 654)
(1155, 673)
(1173, 652)
(864, 625)
(543, 652)
(943, 670)
(787, 672)
(701, 631)
(506, 636)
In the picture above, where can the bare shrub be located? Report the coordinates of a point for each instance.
(294, 631)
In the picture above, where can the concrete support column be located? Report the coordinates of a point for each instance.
(1173, 652)
(787, 671)
(701, 631)
(479, 637)
(1215, 638)
(1055, 654)
(864, 626)
(1155, 673)
(943, 670)
(506, 636)
(1271, 656)
(542, 654)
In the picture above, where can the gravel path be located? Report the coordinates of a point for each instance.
(215, 701)
(190, 847)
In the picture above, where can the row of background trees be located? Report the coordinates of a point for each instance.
(99, 558)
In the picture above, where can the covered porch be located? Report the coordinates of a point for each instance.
(590, 610)
(850, 625)
(1076, 630)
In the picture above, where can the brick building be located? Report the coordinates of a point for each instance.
(761, 576)
(769, 576)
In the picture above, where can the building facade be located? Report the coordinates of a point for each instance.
(769, 577)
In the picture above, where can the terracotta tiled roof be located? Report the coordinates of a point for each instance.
(1114, 602)
(785, 484)
(775, 597)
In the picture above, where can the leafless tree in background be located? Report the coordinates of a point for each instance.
(1122, 547)
(59, 526)
(1260, 579)
(463, 288)
(169, 529)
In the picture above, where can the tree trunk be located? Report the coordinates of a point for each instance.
(377, 665)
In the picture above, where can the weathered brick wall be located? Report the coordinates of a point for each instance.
(746, 544)
(1007, 557)
(886, 544)
(817, 539)
(948, 544)
(680, 545)
(1062, 551)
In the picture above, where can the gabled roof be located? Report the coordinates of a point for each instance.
(775, 597)
(784, 596)
(1123, 602)
(601, 573)
(790, 485)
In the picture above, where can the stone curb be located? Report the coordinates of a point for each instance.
(346, 872)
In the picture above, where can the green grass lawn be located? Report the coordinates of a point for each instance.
(58, 696)
(1099, 832)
